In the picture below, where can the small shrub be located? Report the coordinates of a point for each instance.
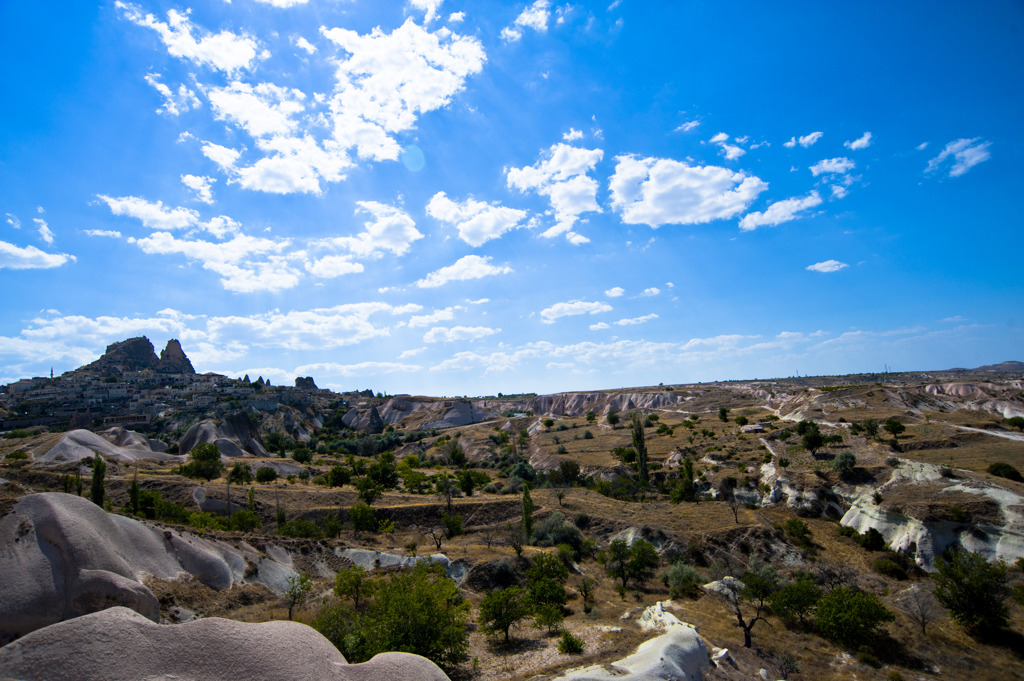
(889, 568)
(683, 580)
(893, 462)
(266, 474)
(877, 498)
(570, 644)
(947, 472)
(1005, 470)
(16, 456)
(866, 656)
(300, 529)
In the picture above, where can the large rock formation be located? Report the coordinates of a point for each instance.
(305, 383)
(173, 360)
(76, 445)
(138, 354)
(234, 436)
(62, 556)
(121, 644)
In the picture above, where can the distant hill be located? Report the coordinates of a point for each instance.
(137, 354)
(1004, 367)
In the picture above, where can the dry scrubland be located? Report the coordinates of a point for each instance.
(713, 536)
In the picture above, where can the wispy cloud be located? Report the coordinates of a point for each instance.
(966, 153)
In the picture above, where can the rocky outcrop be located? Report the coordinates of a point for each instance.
(62, 556)
(679, 654)
(231, 434)
(76, 445)
(173, 360)
(578, 404)
(915, 515)
(138, 354)
(305, 383)
(119, 644)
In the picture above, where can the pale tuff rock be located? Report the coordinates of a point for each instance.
(76, 445)
(119, 644)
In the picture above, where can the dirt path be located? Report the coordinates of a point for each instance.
(1018, 437)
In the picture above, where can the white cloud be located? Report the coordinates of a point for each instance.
(331, 266)
(922, 146)
(45, 233)
(827, 266)
(30, 258)
(201, 185)
(572, 135)
(615, 292)
(833, 166)
(600, 326)
(429, 7)
(412, 353)
(224, 51)
(839, 191)
(862, 142)
(222, 156)
(633, 321)
(456, 17)
(649, 292)
(779, 212)
(13, 221)
(305, 45)
(687, 126)
(966, 152)
(175, 103)
(804, 140)
(153, 215)
(477, 222)
(720, 138)
(732, 152)
(440, 334)
(283, 3)
(659, 191)
(465, 268)
(390, 230)
(572, 308)
(534, 16)
(445, 315)
(263, 110)
(561, 175)
(112, 233)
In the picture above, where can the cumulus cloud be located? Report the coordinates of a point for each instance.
(305, 45)
(571, 309)
(600, 326)
(152, 214)
(650, 292)
(562, 175)
(445, 315)
(572, 135)
(730, 151)
(331, 266)
(262, 110)
(390, 230)
(966, 153)
(615, 292)
(283, 3)
(201, 186)
(30, 258)
(224, 51)
(833, 166)
(827, 266)
(804, 140)
(45, 233)
(779, 212)
(862, 142)
(633, 321)
(659, 191)
(534, 16)
(465, 268)
(175, 103)
(428, 7)
(440, 334)
(476, 221)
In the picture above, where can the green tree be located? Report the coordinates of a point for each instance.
(353, 583)
(612, 418)
(634, 563)
(363, 518)
(251, 500)
(723, 414)
(741, 420)
(298, 590)
(545, 580)
(1016, 422)
(203, 462)
(686, 490)
(682, 580)
(528, 509)
(338, 476)
(973, 590)
(367, 490)
(99, 471)
(894, 427)
(813, 440)
(416, 611)
(844, 463)
(133, 494)
(240, 474)
(640, 445)
(795, 601)
(266, 474)
(501, 609)
(591, 417)
(850, 617)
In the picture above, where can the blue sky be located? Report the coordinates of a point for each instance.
(447, 198)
